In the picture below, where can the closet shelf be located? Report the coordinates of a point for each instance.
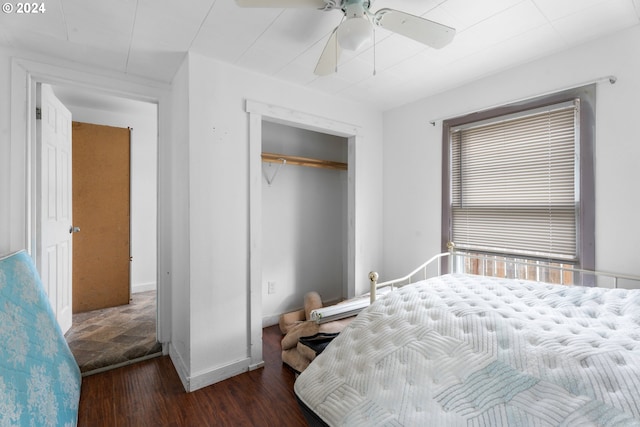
(303, 161)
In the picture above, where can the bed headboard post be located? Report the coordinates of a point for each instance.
(373, 278)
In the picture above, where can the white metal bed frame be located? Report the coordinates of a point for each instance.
(514, 268)
(485, 265)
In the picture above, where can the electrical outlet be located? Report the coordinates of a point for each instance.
(271, 287)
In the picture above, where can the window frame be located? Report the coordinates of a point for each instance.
(585, 226)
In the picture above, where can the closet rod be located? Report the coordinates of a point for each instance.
(303, 161)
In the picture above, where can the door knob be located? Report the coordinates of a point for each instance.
(74, 229)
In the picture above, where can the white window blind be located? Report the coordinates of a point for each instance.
(513, 184)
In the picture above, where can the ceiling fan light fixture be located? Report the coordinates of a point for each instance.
(354, 33)
(357, 26)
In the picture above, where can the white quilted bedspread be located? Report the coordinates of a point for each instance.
(461, 350)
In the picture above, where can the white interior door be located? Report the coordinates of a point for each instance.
(55, 245)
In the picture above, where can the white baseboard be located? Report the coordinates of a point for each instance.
(180, 366)
(206, 378)
(209, 377)
(143, 287)
(256, 366)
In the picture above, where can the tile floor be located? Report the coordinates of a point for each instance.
(112, 337)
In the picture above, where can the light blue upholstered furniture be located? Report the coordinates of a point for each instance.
(39, 377)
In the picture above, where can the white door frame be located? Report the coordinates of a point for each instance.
(24, 233)
(257, 113)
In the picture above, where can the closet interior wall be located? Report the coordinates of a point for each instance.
(304, 220)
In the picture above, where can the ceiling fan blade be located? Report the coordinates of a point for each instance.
(419, 29)
(329, 58)
(318, 4)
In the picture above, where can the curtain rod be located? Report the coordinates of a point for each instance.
(611, 79)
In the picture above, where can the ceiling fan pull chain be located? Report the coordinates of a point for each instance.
(338, 44)
(374, 51)
(336, 51)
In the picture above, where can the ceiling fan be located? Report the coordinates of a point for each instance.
(356, 28)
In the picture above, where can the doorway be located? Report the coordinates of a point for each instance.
(25, 74)
(115, 160)
(137, 122)
(122, 179)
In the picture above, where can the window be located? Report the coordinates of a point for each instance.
(518, 180)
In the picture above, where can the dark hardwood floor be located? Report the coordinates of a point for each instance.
(150, 394)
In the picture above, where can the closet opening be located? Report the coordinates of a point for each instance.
(304, 218)
(271, 119)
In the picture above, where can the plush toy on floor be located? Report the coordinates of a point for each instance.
(303, 338)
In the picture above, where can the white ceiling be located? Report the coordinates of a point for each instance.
(149, 38)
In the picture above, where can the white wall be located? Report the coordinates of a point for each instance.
(143, 119)
(5, 155)
(304, 221)
(177, 203)
(218, 204)
(413, 156)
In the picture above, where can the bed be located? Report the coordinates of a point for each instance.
(39, 378)
(473, 350)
